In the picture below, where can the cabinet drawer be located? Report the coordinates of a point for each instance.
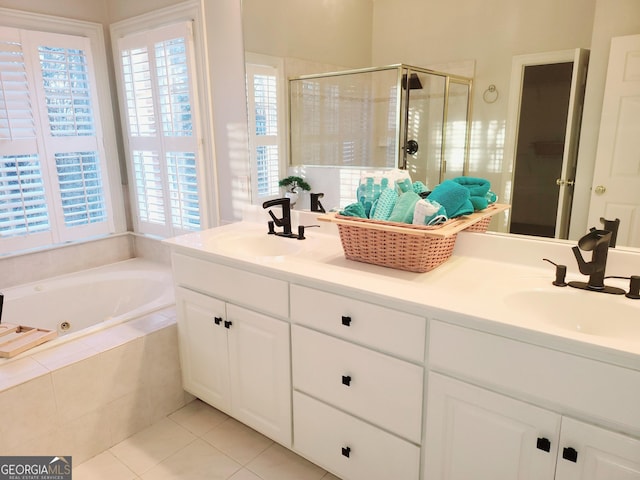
(376, 387)
(578, 385)
(326, 435)
(395, 332)
(244, 288)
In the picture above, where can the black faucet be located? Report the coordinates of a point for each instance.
(316, 206)
(285, 221)
(611, 226)
(596, 241)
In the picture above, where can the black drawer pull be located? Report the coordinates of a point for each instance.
(217, 320)
(346, 451)
(569, 453)
(227, 324)
(346, 321)
(346, 380)
(544, 444)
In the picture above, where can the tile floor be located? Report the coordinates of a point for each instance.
(198, 442)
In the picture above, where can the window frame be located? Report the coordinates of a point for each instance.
(281, 139)
(103, 119)
(189, 11)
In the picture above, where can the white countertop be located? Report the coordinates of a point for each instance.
(473, 288)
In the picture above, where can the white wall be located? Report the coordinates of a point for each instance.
(336, 32)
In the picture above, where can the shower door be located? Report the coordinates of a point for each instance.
(436, 129)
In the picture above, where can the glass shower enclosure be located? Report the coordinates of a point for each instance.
(398, 116)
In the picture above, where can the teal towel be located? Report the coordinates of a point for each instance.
(453, 197)
(478, 191)
(478, 187)
(384, 205)
(419, 187)
(354, 210)
(405, 205)
(404, 185)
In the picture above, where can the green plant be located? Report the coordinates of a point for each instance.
(293, 182)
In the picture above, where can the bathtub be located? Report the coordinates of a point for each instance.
(90, 300)
(113, 370)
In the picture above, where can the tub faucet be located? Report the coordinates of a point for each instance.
(597, 242)
(285, 221)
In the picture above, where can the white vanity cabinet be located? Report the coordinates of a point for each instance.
(472, 432)
(357, 406)
(234, 358)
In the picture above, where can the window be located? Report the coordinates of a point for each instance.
(266, 132)
(162, 138)
(52, 158)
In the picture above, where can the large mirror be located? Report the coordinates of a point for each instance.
(468, 38)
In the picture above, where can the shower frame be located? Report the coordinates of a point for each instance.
(402, 112)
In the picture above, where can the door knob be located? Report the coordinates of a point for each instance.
(559, 182)
(600, 189)
(570, 183)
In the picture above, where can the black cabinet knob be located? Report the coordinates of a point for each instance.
(346, 380)
(227, 324)
(346, 451)
(569, 453)
(544, 444)
(346, 321)
(217, 320)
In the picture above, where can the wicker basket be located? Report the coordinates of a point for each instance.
(415, 248)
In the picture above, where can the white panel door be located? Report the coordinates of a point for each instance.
(615, 190)
(203, 347)
(475, 434)
(597, 454)
(260, 370)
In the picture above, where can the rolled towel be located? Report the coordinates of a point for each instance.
(419, 187)
(404, 185)
(453, 197)
(404, 207)
(478, 187)
(354, 210)
(366, 194)
(478, 191)
(384, 205)
(429, 213)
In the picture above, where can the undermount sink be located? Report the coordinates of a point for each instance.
(579, 311)
(256, 244)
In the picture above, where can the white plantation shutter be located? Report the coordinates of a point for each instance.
(163, 144)
(265, 132)
(51, 154)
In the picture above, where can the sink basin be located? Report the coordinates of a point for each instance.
(578, 311)
(255, 244)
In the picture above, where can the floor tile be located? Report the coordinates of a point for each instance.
(198, 417)
(196, 461)
(240, 442)
(244, 474)
(330, 476)
(149, 447)
(278, 463)
(103, 467)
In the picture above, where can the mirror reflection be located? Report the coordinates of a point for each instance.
(470, 39)
(387, 117)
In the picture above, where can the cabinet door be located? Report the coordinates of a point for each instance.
(260, 367)
(473, 433)
(597, 454)
(203, 347)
